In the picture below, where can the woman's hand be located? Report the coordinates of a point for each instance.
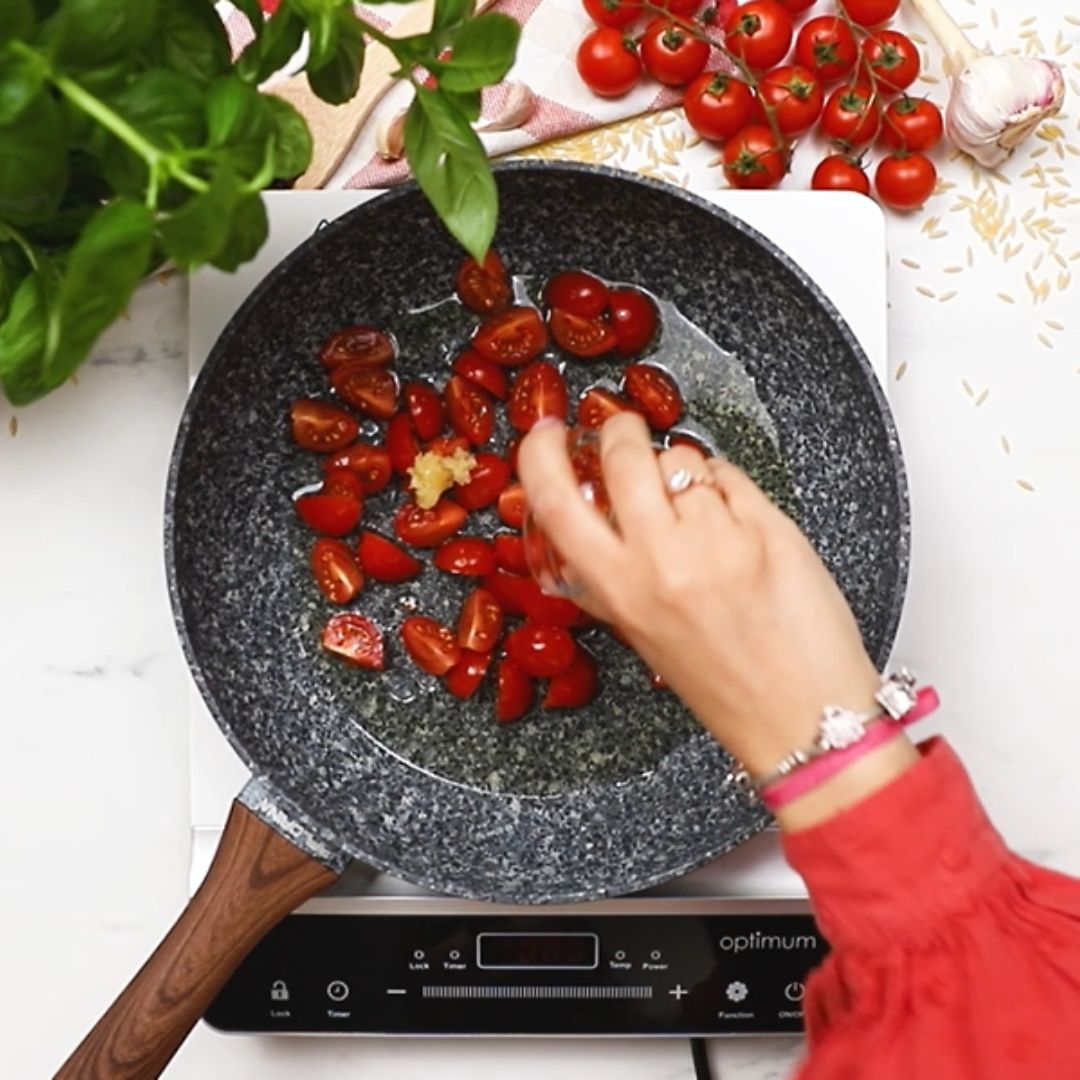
(716, 589)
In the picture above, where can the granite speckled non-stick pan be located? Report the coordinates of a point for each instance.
(387, 768)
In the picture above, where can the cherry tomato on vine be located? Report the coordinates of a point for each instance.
(753, 160)
(912, 124)
(795, 96)
(839, 173)
(718, 105)
(870, 12)
(683, 8)
(797, 7)
(759, 32)
(671, 54)
(905, 181)
(892, 57)
(615, 13)
(852, 115)
(827, 47)
(608, 62)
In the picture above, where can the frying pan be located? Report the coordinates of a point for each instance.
(386, 768)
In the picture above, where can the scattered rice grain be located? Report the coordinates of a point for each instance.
(13, 426)
(1045, 340)
(924, 291)
(967, 388)
(918, 266)
(1055, 325)
(1006, 297)
(1006, 445)
(953, 269)
(901, 369)
(1025, 485)
(981, 398)
(944, 298)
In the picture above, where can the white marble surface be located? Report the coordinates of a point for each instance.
(93, 770)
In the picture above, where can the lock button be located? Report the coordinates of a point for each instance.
(279, 990)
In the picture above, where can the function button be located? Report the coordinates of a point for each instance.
(737, 991)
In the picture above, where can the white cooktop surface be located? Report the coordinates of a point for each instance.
(839, 239)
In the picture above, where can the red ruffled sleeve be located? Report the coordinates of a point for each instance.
(953, 959)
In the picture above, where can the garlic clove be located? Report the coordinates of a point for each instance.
(998, 101)
(519, 105)
(390, 136)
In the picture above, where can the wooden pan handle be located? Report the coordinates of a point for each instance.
(257, 877)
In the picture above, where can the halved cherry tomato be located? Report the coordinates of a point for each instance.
(357, 345)
(577, 292)
(383, 560)
(486, 482)
(852, 115)
(356, 639)
(541, 651)
(550, 610)
(425, 408)
(335, 570)
(482, 371)
(465, 677)
(512, 337)
(466, 555)
(401, 443)
(514, 694)
(795, 96)
(616, 13)
(827, 47)
(429, 528)
(893, 58)
(471, 411)
(754, 158)
(334, 515)
(538, 391)
(321, 427)
(760, 33)
(510, 553)
(480, 622)
(633, 315)
(483, 288)
(912, 124)
(717, 105)
(510, 590)
(838, 172)
(430, 644)
(512, 506)
(370, 463)
(343, 482)
(513, 445)
(448, 445)
(582, 337)
(656, 392)
(574, 687)
(372, 390)
(598, 405)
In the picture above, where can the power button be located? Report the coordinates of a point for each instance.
(794, 991)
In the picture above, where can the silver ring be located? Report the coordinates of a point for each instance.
(683, 480)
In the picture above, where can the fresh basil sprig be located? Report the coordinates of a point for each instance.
(130, 137)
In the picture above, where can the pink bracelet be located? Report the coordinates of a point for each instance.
(781, 792)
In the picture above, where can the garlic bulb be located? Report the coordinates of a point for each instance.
(516, 110)
(390, 136)
(996, 101)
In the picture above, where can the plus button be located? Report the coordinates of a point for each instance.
(679, 992)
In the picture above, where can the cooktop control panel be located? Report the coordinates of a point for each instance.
(523, 974)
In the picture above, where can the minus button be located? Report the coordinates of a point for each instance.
(396, 990)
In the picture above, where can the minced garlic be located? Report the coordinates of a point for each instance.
(431, 474)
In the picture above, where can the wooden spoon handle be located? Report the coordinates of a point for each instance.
(257, 877)
(334, 128)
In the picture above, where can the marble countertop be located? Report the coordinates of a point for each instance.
(93, 771)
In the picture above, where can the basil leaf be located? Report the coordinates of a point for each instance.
(92, 32)
(33, 163)
(22, 340)
(467, 102)
(103, 269)
(198, 231)
(337, 77)
(292, 141)
(191, 40)
(281, 37)
(450, 12)
(484, 50)
(239, 122)
(450, 165)
(21, 77)
(13, 268)
(16, 19)
(248, 231)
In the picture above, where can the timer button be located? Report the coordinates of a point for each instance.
(337, 990)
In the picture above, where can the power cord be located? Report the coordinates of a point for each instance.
(700, 1055)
